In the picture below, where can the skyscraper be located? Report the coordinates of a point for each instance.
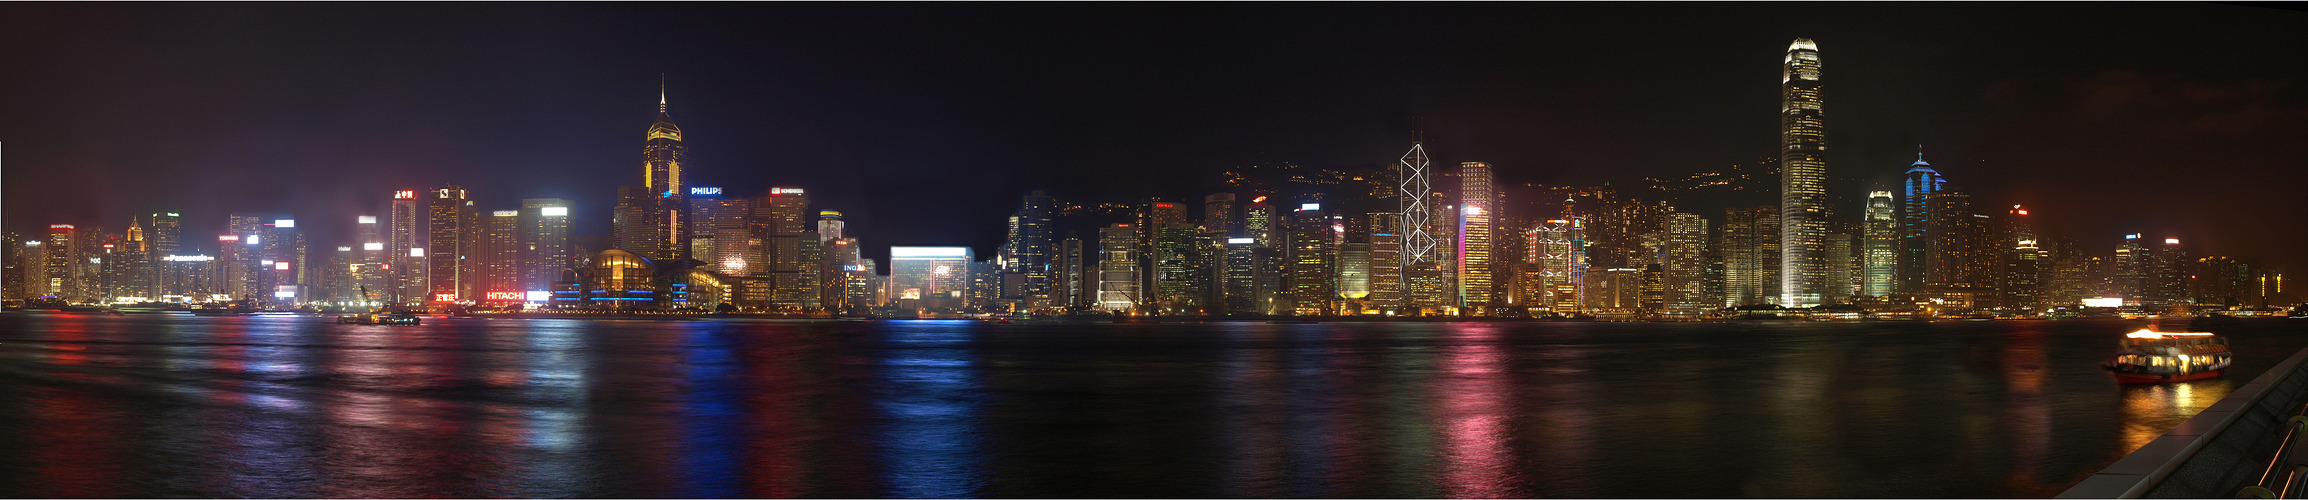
(782, 218)
(1037, 221)
(499, 256)
(1921, 182)
(1118, 268)
(1474, 236)
(663, 156)
(1219, 213)
(1803, 178)
(544, 242)
(1881, 247)
(1686, 245)
(1411, 195)
(1386, 288)
(1751, 256)
(405, 271)
(163, 235)
(1312, 262)
(452, 246)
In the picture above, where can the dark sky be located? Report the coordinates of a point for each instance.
(925, 121)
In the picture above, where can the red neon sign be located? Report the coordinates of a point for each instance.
(444, 297)
(506, 296)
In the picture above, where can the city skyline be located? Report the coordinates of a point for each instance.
(120, 157)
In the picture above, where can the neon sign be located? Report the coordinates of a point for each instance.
(705, 191)
(506, 296)
(444, 297)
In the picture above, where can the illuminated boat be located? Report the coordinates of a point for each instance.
(2154, 357)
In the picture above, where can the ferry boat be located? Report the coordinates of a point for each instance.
(2150, 356)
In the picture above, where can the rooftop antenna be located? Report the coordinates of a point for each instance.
(660, 93)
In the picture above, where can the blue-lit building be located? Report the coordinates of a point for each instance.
(1914, 215)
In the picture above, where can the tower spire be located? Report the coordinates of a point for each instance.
(1919, 153)
(661, 93)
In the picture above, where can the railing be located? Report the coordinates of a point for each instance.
(2247, 439)
(2288, 456)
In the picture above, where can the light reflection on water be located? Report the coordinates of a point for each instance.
(145, 406)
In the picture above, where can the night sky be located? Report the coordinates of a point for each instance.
(925, 122)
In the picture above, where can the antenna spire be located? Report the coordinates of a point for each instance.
(1919, 152)
(660, 93)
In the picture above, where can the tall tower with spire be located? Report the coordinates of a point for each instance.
(1917, 187)
(1802, 179)
(662, 157)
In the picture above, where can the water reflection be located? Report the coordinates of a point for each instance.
(929, 400)
(1473, 412)
(300, 407)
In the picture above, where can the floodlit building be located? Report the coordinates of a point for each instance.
(1803, 178)
(931, 278)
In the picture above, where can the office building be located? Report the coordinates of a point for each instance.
(1476, 209)
(406, 269)
(1118, 268)
(1880, 253)
(1920, 184)
(931, 278)
(544, 243)
(452, 246)
(1803, 178)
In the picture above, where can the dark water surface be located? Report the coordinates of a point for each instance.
(143, 406)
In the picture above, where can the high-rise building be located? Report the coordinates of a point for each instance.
(64, 261)
(1841, 263)
(337, 283)
(633, 222)
(783, 218)
(1751, 266)
(1476, 211)
(663, 158)
(931, 278)
(544, 242)
(1411, 194)
(830, 226)
(1239, 282)
(1354, 264)
(718, 233)
(1386, 286)
(500, 257)
(2167, 275)
(1030, 249)
(452, 246)
(1219, 213)
(13, 283)
(164, 236)
(1803, 178)
(2130, 270)
(1313, 262)
(1073, 288)
(1682, 262)
(1921, 183)
(1182, 282)
(1880, 256)
(1951, 246)
(1118, 268)
(1260, 223)
(406, 269)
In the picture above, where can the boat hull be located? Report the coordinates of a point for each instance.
(2166, 378)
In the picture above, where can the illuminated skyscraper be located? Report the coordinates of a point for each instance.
(406, 270)
(780, 221)
(544, 242)
(1313, 262)
(1411, 195)
(930, 278)
(1686, 245)
(64, 263)
(163, 236)
(1803, 178)
(1118, 268)
(663, 156)
(1476, 209)
(1259, 222)
(1921, 182)
(500, 256)
(1386, 288)
(1030, 250)
(633, 222)
(1881, 247)
(452, 246)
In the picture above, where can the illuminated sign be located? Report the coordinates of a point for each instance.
(2023, 211)
(32, 243)
(404, 195)
(1474, 210)
(368, 219)
(187, 258)
(2104, 302)
(228, 237)
(1165, 205)
(265, 262)
(344, 249)
(1241, 241)
(506, 296)
(107, 246)
(506, 213)
(929, 252)
(251, 240)
(553, 211)
(284, 223)
(2171, 241)
(280, 266)
(911, 293)
(172, 214)
(942, 271)
(537, 296)
(444, 297)
(705, 191)
(285, 294)
(1310, 206)
(2132, 236)
(372, 246)
(829, 213)
(776, 191)
(853, 268)
(416, 252)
